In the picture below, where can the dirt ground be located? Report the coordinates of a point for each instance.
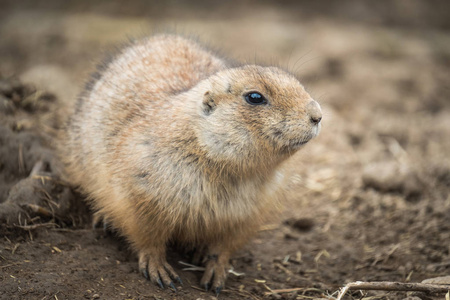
(368, 200)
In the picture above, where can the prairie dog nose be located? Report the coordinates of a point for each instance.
(314, 112)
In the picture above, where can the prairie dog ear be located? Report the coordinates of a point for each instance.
(208, 103)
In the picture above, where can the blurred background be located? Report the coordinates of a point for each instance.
(303, 36)
(369, 198)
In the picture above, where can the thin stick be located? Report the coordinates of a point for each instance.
(394, 286)
(11, 265)
(284, 291)
(21, 161)
(191, 267)
(71, 230)
(304, 290)
(31, 227)
(37, 168)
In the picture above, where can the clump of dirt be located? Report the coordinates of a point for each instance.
(31, 190)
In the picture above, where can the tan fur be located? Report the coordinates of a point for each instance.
(167, 149)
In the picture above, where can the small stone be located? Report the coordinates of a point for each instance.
(393, 177)
(438, 280)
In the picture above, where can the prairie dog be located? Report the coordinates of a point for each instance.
(172, 144)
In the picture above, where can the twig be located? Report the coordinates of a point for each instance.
(38, 166)
(38, 210)
(144, 295)
(284, 269)
(197, 288)
(15, 248)
(304, 290)
(394, 286)
(71, 230)
(283, 291)
(244, 293)
(11, 265)
(197, 268)
(21, 161)
(31, 227)
(442, 264)
(191, 267)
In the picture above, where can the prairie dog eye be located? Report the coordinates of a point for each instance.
(255, 98)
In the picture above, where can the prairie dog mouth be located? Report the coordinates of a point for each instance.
(299, 143)
(290, 141)
(312, 134)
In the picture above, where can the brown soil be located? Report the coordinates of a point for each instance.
(367, 200)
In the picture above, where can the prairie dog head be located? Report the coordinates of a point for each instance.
(255, 115)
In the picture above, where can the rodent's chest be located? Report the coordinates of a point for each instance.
(233, 202)
(207, 216)
(198, 202)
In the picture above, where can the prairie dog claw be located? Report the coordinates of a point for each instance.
(215, 273)
(157, 270)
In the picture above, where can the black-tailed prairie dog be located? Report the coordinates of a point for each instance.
(173, 144)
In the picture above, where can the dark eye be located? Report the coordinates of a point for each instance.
(255, 98)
